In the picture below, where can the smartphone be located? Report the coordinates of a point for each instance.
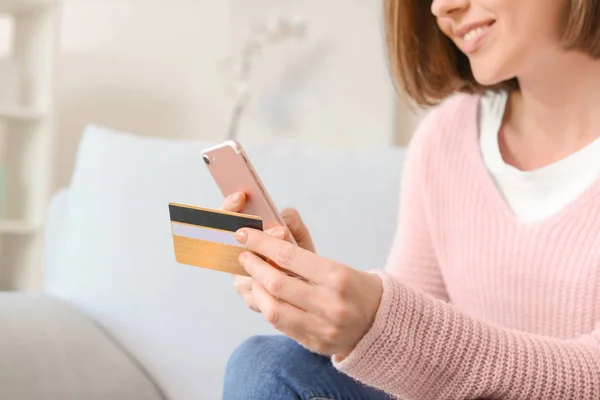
(233, 172)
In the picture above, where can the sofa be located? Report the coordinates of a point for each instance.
(119, 318)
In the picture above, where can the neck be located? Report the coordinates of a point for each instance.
(559, 100)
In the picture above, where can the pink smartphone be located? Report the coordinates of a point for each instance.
(233, 172)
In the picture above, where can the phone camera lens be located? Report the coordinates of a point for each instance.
(206, 160)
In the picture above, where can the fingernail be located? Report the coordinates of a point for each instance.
(241, 236)
(235, 198)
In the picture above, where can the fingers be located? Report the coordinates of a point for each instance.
(298, 229)
(294, 291)
(250, 301)
(278, 232)
(304, 327)
(234, 202)
(243, 286)
(282, 315)
(290, 257)
(283, 233)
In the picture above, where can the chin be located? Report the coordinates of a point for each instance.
(489, 76)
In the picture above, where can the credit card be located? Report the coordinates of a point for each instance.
(204, 237)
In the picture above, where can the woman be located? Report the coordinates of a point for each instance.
(492, 289)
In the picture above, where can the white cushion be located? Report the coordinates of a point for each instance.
(116, 260)
(55, 226)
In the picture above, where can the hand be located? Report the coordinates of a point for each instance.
(295, 227)
(328, 312)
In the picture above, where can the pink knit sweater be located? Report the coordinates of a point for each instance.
(476, 303)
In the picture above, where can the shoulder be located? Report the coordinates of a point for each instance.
(448, 128)
(455, 116)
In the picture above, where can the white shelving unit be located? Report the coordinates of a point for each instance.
(27, 138)
(20, 114)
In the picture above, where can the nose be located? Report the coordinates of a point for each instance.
(445, 8)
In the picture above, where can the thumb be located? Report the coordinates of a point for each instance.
(297, 228)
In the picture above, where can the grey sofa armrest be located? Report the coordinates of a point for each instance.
(50, 350)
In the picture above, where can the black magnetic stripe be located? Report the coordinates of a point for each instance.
(213, 220)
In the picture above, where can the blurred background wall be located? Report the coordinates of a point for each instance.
(151, 67)
(155, 68)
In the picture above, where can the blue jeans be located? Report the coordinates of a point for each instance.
(278, 368)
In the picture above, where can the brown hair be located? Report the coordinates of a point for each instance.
(430, 67)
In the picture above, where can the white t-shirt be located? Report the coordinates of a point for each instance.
(538, 194)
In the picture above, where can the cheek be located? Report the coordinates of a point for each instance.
(445, 26)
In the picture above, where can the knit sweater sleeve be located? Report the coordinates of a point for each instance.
(422, 348)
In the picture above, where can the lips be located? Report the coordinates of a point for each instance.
(469, 31)
(473, 33)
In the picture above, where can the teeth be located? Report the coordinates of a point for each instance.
(472, 33)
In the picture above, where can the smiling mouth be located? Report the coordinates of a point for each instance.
(475, 32)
